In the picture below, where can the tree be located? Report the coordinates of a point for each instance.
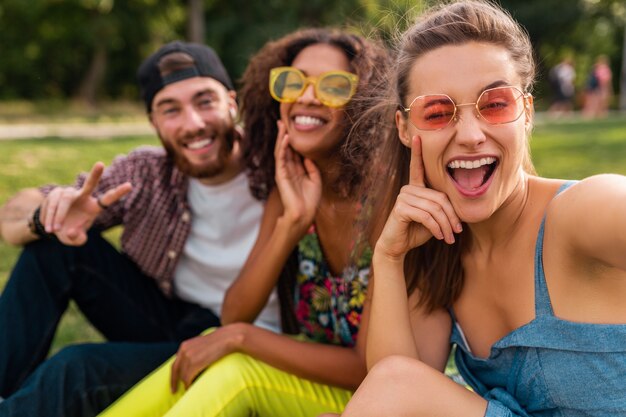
(90, 49)
(80, 48)
(195, 21)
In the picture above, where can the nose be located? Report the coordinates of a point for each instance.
(469, 127)
(308, 95)
(192, 121)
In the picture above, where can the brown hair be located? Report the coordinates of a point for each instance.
(260, 111)
(435, 268)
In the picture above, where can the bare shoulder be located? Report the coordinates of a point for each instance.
(594, 194)
(589, 217)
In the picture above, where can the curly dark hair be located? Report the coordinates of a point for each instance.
(259, 111)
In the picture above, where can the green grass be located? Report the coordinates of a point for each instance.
(578, 149)
(565, 149)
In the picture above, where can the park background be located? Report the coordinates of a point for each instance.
(68, 95)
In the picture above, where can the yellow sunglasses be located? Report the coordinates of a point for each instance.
(332, 89)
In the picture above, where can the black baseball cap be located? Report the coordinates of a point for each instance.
(206, 64)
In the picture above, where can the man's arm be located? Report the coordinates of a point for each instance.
(16, 214)
(66, 212)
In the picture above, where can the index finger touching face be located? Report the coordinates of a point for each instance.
(416, 167)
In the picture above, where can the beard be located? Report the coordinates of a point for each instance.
(225, 139)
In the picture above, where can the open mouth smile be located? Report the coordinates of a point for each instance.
(472, 176)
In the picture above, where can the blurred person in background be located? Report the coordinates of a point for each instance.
(598, 89)
(562, 78)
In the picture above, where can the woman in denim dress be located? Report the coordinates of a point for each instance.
(525, 275)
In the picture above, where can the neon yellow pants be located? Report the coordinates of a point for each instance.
(235, 386)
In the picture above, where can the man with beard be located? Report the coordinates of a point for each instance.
(189, 221)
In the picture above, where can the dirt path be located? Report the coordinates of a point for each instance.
(74, 130)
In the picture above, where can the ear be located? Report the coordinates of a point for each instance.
(402, 124)
(232, 104)
(151, 120)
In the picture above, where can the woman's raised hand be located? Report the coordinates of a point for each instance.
(298, 180)
(69, 212)
(419, 214)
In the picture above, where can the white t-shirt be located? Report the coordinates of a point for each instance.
(225, 221)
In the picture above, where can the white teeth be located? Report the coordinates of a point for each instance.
(308, 121)
(199, 144)
(477, 163)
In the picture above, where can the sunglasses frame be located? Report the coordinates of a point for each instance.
(312, 80)
(525, 96)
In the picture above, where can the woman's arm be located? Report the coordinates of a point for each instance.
(289, 212)
(327, 364)
(431, 332)
(249, 293)
(415, 332)
(397, 325)
(390, 304)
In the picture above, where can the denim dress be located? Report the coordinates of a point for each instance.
(549, 367)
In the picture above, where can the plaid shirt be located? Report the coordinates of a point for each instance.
(155, 214)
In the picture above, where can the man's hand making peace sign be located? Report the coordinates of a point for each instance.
(68, 212)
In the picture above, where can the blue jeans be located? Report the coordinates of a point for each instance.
(116, 297)
(82, 380)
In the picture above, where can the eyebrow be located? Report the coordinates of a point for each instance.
(197, 95)
(495, 84)
(208, 91)
(442, 100)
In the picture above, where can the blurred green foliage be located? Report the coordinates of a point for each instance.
(90, 49)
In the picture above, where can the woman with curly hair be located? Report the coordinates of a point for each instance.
(300, 159)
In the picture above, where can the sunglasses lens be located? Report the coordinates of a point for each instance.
(332, 89)
(335, 90)
(500, 105)
(286, 85)
(496, 106)
(431, 112)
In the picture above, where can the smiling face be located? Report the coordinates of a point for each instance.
(315, 131)
(193, 119)
(478, 165)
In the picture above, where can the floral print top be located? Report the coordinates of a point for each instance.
(328, 308)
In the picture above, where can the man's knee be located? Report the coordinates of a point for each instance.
(43, 248)
(73, 364)
(52, 247)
